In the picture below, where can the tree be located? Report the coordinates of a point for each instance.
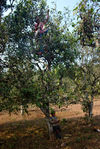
(3, 33)
(4, 6)
(87, 79)
(87, 76)
(29, 78)
(88, 22)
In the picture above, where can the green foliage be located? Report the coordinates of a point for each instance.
(26, 77)
(54, 77)
(63, 121)
(88, 25)
(3, 37)
(5, 5)
(87, 78)
(52, 111)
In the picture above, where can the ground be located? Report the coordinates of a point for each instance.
(30, 131)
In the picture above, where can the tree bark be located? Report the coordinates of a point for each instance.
(91, 107)
(21, 110)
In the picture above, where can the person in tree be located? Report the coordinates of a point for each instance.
(55, 124)
(40, 30)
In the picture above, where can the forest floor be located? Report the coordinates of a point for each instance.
(30, 131)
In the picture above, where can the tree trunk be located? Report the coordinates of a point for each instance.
(49, 127)
(21, 110)
(45, 109)
(91, 108)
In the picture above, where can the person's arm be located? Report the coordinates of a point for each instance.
(36, 27)
(55, 121)
(47, 17)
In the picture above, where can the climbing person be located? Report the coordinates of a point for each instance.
(41, 30)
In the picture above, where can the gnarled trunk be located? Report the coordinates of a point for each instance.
(45, 110)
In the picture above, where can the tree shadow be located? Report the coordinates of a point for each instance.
(33, 134)
(23, 134)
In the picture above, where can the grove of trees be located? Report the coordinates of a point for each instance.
(69, 70)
